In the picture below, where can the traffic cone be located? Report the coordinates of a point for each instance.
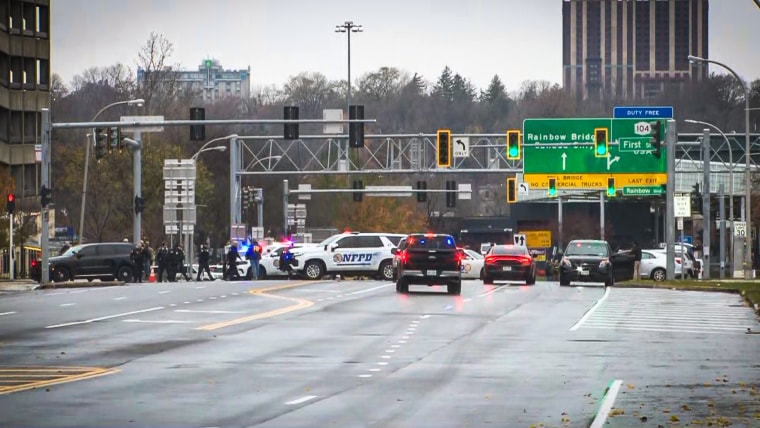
(152, 277)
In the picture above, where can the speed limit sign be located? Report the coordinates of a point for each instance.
(740, 229)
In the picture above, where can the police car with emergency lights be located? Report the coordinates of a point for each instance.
(350, 253)
(269, 264)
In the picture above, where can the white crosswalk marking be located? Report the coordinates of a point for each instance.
(672, 311)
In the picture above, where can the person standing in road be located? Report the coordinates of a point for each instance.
(232, 258)
(137, 263)
(636, 252)
(171, 264)
(203, 259)
(180, 261)
(253, 254)
(162, 259)
(147, 259)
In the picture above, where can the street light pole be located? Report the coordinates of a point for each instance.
(748, 182)
(349, 27)
(730, 169)
(138, 102)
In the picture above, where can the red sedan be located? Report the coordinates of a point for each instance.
(509, 263)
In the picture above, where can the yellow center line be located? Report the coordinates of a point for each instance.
(299, 304)
(92, 373)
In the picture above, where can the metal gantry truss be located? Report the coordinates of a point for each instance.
(415, 153)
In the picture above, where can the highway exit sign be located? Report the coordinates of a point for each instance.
(564, 147)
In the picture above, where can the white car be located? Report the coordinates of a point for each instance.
(653, 265)
(472, 265)
(352, 253)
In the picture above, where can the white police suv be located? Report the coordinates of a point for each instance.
(351, 253)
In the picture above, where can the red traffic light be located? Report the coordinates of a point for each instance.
(11, 197)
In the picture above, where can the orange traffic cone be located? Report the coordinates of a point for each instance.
(152, 277)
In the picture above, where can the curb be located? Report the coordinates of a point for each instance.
(53, 285)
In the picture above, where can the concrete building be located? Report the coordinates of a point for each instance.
(631, 49)
(210, 81)
(25, 75)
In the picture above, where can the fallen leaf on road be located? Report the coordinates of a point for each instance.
(665, 410)
(674, 418)
(643, 419)
(685, 408)
(630, 386)
(707, 384)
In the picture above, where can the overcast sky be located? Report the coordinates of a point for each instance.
(517, 39)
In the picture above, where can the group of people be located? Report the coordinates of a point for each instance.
(171, 261)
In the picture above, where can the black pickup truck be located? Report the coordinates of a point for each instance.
(428, 259)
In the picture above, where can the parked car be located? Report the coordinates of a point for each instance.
(654, 264)
(104, 260)
(509, 263)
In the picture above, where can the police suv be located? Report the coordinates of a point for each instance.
(351, 253)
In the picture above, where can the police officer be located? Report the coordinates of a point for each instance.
(162, 259)
(171, 264)
(179, 255)
(253, 255)
(232, 258)
(137, 263)
(203, 258)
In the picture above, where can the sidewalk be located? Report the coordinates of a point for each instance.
(18, 285)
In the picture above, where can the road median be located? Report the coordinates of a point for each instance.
(56, 285)
(749, 290)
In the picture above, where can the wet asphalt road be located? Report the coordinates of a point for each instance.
(356, 354)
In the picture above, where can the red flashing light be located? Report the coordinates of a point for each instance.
(11, 197)
(34, 263)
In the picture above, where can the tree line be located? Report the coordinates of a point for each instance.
(400, 101)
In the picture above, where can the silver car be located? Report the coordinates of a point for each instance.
(653, 264)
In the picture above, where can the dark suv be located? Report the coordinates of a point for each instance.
(105, 261)
(587, 260)
(428, 259)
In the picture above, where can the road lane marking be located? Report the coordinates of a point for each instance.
(200, 286)
(65, 304)
(266, 292)
(424, 316)
(375, 370)
(489, 292)
(591, 311)
(382, 363)
(301, 400)
(164, 292)
(157, 308)
(160, 321)
(368, 290)
(28, 377)
(365, 375)
(7, 313)
(191, 311)
(609, 399)
(674, 330)
(120, 298)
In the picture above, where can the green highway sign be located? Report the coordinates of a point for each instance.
(643, 191)
(551, 146)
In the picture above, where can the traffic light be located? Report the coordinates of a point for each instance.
(696, 199)
(358, 185)
(421, 196)
(139, 204)
(290, 130)
(113, 139)
(355, 130)
(101, 148)
(655, 138)
(46, 196)
(10, 205)
(513, 145)
(444, 147)
(611, 192)
(511, 190)
(601, 144)
(451, 195)
(197, 132)
(552, 187)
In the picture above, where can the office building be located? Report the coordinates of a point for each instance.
(25, 75)
(631, 49)
(211, 82)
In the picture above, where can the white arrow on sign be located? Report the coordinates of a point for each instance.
(519, 239)
(610, 161)
(564, 161)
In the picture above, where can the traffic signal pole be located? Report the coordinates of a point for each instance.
(671, 138)
(46, 128)
(137, 185)
(706, 204)
(10, 250)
